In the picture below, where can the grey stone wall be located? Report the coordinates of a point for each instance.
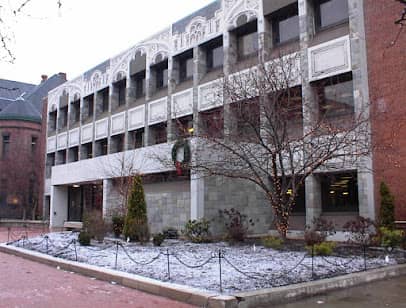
(168, 205)
(224, 193)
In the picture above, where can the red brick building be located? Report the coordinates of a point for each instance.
(22, 147)
(386, 50)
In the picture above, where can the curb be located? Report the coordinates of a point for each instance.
(189, 295)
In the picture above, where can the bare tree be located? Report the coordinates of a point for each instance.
(274, 138)
(10, 13)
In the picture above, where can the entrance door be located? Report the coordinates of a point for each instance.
(75, 204)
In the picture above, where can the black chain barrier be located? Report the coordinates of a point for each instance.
(71, 247)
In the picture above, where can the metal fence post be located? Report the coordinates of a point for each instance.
(169, 271)
(220, 276)
(76, 253)
(115, 264)
(312, 261)
(365, 257)
(8, 234)
(46, 243)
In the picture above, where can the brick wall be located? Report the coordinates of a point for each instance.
(387, 83)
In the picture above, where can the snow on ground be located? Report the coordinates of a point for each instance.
(243, 267)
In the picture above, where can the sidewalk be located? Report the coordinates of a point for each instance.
(24, 283)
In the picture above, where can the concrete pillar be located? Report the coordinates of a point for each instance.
(230, 59)
(107, 187)
(313, 199)
(199, 70)
(173, 73)
(148, 93)
(59, 206)
(361, 102)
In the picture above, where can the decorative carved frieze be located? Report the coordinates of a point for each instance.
(136, 117)
(118, 123)
(51, 144)
(101, 129)
(62, 141)
(182, 104)
(157, 111)
(74, 137)
(330, 58)
(210, 95)
(87, 133)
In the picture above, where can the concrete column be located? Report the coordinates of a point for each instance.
(313, 199)
(173, 73)
(148, 94)
(59, 206)
(230, 59)
(310, 106)
(197, 196)
(107, 187)
(361, 102)
(199, 70)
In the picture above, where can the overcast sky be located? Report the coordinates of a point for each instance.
(84, 33)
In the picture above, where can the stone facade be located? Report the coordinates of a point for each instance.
(141, 118)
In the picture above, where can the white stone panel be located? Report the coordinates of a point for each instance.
(157, 111)
(210, 95)
(142, 160)
(182, 104)
(62, 141)
(74, 137)
(87, 133)
(102, 129)
(136, 117)
(330, 58)
(118, 123)
(51, 144)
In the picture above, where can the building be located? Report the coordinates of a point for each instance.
(126, 107)
(22, 147)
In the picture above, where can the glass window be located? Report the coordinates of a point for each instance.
(161, 71)
(105, 100)
(186, 68)
(6, 145)
(331, 12)
(247, 44)
(215, 57)
(121, 92)
(89, 103)
(34, 144)
(286, 24)
(336, 98)
(339, 192)
(75, 111)
(140, 85)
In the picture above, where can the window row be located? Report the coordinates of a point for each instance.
(28, 148)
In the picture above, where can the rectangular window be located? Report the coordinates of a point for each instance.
(89, 105)
(139, 84)
(161, 74)
(117, 144)
(120, 86)
(49, 164)
(214, 54)
(53, 116)
(186, 66)
(331, 12)
(212, 123)
(105, 100)
(75, 111)
(247, 40)
(339, 192)
(6, 146)
(336, 99)
(34, 145)
(87, 151)
(64, 116)
(285, 24)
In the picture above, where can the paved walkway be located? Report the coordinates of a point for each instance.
(24, 283)
(380, 294)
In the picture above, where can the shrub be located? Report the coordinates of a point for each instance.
(197, 231)
(118, 225)
(236, 224)
(319, 232)
(387, 209)
(272, 242)
(158, 239)
(136, 222)
(322, 249)
(362, 231)
(171, 233)
(94, 224)
(391, 238)
(84, 238)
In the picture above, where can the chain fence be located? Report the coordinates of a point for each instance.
(309, 260)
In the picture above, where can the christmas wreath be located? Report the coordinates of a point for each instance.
(181, 143)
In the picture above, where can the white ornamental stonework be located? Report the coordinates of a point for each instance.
(101, 129)
(210, 95)
(136, 117)
(118, 123)
(74, 137)
(157, 111)
(51, 144)
(330, 58)
(182, 104)
(62, 141)
(87, 133)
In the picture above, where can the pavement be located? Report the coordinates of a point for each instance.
(24, 283)
(379, 294)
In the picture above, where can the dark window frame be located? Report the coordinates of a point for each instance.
(140, 84)
(6, 140)
(318, 17)
(281, 15)
(160, 81)
(186, 66)
(210, 47)
(242, 32)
